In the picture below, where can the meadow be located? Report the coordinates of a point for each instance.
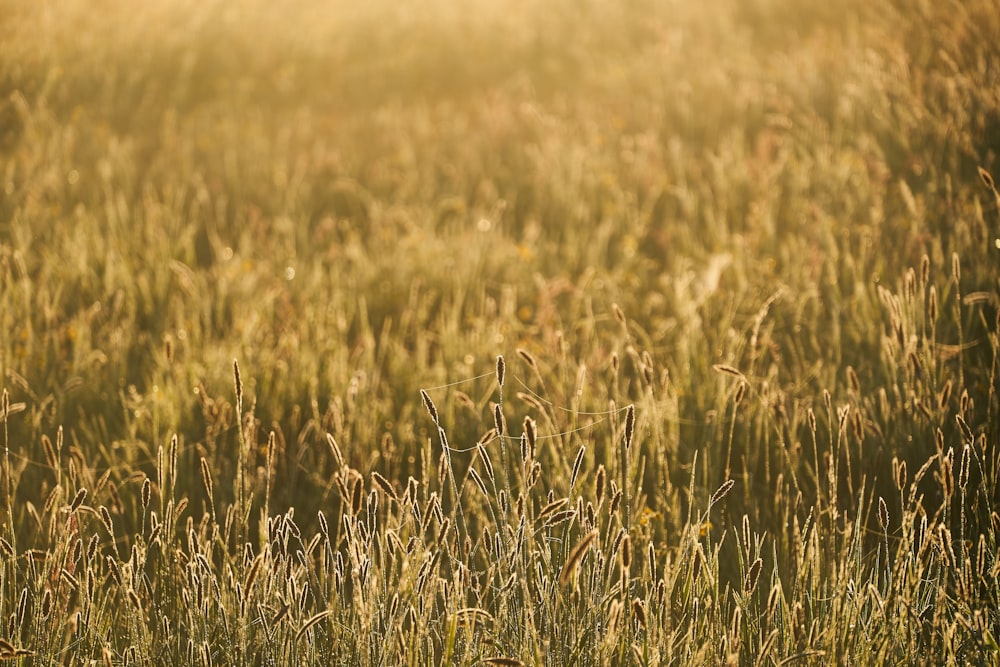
(574, 332)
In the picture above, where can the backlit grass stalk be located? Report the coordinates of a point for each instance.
(450, 472)
(956, 276)
(8, 483)
(499, 423)
(628, 434)
(240, 508)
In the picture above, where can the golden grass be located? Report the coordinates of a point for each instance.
(533, 333)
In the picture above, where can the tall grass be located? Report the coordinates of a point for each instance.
(601, 333)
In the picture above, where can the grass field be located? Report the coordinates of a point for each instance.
(574, 332)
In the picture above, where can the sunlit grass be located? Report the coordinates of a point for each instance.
(738, 263)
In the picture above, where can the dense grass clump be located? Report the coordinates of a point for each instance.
(564, 333)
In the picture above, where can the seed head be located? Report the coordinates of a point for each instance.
(986, 178)
(575, 557)
(429, 404)
(629, 425)
(753, 574)
(721, 492)
(498, 422)
(238, 381)
(81, 495)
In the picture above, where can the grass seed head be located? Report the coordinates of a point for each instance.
(81, 495)
(616, 500)
(853, 381)
(753, 574)
(106, 520)
(531, 433)
(629, 425)
(237, 381)
(747, 535)
(963, 475)
(576, 557)
(206, 478)
(479, 482)
(498, 422)
(553, 506)
(51, 458)
(721, 492)
(577, 464)
(429, 404)
(619, 314)
(310, 622)
(899, 475)
(599, 484)
(46, 609)
(559, 517)
(726, 369)
(386, 487)
(963, 426)
(741, 390)
(986, 178)
(484, 456)
(639, 612)
(944, 396)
